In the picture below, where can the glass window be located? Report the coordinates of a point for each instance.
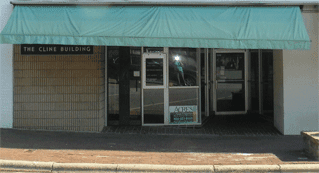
(254, 80)
(113, 67)
(183, 67)
(230, 96)
(153, 106)
(135, 56)
(230, 66)
(267, 78)
(154, 72)
(124, 80)
(183, 105)
(230, 88)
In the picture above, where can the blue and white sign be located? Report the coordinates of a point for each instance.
(183, 114)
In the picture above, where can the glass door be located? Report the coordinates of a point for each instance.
(230, 82)
(266, 89)
(261, 82)
(154, 86)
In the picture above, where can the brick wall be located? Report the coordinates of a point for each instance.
(59, 92)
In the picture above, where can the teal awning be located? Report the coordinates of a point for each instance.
(159, 26)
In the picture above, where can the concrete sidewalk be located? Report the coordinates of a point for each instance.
(66, 151)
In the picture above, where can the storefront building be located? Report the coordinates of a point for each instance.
(86, 65)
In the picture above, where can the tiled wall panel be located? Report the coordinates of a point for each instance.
(59, 92)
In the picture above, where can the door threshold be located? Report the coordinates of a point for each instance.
(231, 113)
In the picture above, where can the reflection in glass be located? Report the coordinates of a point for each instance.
(230, 66)
(267, 78)
(230, 74)
(135, 56)
(154, 72)
(153, 106)
(135, 102)
(113, 100)
(183, 67)
(183, 105)
(203, 83)
(230, 97)
(135, 86)
(113, 67)
(124, 87)
(253, 81)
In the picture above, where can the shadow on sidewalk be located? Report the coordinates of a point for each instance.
(286, 148)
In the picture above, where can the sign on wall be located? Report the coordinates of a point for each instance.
(49, 49)
(183, 114)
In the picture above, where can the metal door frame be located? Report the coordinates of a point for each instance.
(214, 51)
(207, 82)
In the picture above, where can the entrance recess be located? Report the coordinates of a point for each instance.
(236, 82)
(230, 82)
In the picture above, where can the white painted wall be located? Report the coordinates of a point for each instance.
(296, 84)
(6, 71)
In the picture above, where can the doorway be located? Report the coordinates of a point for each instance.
(224, 82)
(230, 81)
(236, 82)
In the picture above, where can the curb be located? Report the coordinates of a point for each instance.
(87, 167)
(26, 165)
(248, 168)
